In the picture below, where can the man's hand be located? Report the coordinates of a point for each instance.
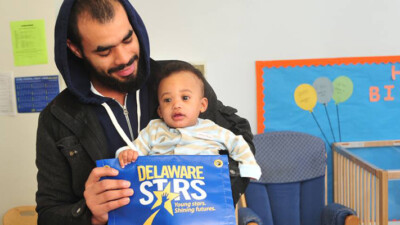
(105, 195)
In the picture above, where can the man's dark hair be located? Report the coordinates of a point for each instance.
(179, 66)
(100, 10)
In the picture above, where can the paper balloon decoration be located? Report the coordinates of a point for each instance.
(342, 89)
(324, 88)
(305, 97)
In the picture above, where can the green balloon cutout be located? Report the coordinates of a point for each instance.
(342, 89)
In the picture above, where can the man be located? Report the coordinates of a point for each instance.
(102, 51)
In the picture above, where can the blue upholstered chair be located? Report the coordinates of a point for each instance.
(291, 190)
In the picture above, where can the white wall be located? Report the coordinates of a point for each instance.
(228, 35)
(18, 133)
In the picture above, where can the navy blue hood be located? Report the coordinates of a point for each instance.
(72, 68)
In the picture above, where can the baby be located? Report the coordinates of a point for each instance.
(180, 131)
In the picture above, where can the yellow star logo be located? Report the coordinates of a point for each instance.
(165, 196)
(162, 196)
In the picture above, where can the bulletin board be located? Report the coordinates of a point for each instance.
(336, 99)
(34, 93)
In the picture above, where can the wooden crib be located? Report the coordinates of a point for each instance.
(360, 185)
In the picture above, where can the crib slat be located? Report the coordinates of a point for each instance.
(335, 176)
(360, 192)
(340, 200)
(345, 177)
(365, 197)
(378, 205)
(342, 194)
(383, 197)
(352, 186)
(368, 202)
(357, 190)
(373, 193)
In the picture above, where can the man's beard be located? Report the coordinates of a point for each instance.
(128, 84)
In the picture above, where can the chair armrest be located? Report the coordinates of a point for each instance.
(248, 217)
(336, 214)
(352, 220)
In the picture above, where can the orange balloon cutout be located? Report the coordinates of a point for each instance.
(305, 97)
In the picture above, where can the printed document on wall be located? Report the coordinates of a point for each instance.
(7, 101)
(29, 42)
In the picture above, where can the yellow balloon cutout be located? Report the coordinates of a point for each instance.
(305, 96)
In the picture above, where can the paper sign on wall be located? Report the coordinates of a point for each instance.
(7, 103)
(29, 42)
(34, 93)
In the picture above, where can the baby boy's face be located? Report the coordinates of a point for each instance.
(181, 99)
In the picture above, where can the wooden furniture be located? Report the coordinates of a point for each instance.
(360, 185)
(241, 204)
(21, 215)
(291, 189)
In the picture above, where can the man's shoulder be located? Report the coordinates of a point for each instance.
(66, 99)
(65, 102)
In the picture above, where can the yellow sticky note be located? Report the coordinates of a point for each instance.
(29, 42)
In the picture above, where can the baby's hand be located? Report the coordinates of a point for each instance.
(126, 157)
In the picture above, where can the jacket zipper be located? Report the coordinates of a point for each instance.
(126, 113)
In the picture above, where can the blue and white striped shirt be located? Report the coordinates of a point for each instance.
(204, 138)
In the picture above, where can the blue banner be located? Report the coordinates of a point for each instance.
(175, 190)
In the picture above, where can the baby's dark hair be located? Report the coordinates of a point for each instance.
(179, 66)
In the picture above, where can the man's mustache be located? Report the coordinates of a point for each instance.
(122, 66)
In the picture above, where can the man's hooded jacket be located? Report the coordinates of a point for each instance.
(75, 130)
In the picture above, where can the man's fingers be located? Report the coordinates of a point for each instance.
(99, 172)
(108, 184)
(104, 195)
(115, 195)
(100, 211)
(111, 205)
